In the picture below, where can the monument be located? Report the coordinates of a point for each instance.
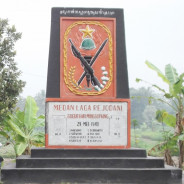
(87, 102)
(87, 136)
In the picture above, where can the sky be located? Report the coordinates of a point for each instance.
(154, 31)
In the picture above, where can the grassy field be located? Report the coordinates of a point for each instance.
(146, 139)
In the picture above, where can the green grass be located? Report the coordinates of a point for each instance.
(154, 136)
(146, 139)
(143, 143)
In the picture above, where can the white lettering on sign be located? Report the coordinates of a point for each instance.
(87, 123)
(87, 12)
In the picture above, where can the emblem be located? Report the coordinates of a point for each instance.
(88, 57)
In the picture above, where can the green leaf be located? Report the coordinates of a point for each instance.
(19, 139)
(4, 134)
(38, 139)
(169, 120)
(134, 122)
(168, 95)
(160, 74)
(30, 112)
(20, 148)
(40, 136)
(20, 115)
(150, 100)
(178, 86)
(16, 129)
(159, 115)
(172, 141)
(157, 148)
(160, 89)
(40, 121)
(138, 80)
(18, 118)
(171, 74)
(182, 90)
(171, 90)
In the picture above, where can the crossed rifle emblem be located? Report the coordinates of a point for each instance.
(87, 64)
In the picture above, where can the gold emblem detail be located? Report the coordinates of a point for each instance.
(67, 78)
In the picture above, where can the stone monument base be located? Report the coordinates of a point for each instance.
(90, 166)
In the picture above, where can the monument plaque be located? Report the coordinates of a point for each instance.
(84, 123)
(87, 104)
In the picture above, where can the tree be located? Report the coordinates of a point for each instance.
(149, 115)
(138, 103)
(174, 98)
(40, 100)
(10, 84)
(21, 103)
(21, 128)
(141, 98)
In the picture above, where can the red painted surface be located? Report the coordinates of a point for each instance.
(99, 35)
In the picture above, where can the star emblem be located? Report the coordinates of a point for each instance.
(87, 32)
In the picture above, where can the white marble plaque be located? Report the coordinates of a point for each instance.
(87, 123)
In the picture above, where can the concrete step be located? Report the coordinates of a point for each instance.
(92, 162)
(69, 153)
(13, 175)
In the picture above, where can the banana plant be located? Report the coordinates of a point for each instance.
(170, 140)
(174, 97)
(22, 128)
